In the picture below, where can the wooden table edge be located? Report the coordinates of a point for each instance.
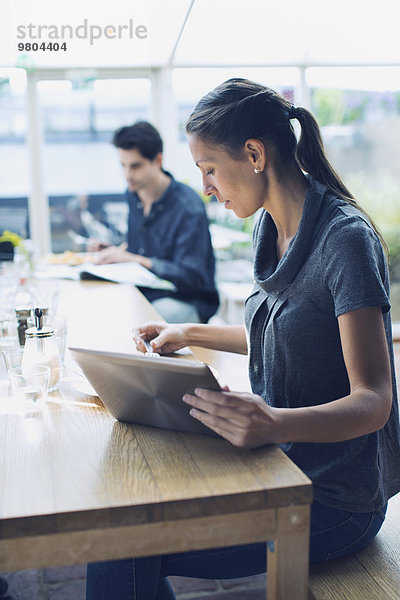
(144, 539)
(156, 512)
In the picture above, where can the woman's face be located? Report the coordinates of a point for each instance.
(232, 181)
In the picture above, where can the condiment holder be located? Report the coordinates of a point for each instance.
(41, 350)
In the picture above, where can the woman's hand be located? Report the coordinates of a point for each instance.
(242, 418)
(164, 338)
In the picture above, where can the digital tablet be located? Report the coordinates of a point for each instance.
(147, 390)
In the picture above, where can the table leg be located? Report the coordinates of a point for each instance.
(287, 561)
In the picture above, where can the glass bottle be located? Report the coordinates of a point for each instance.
(41, 350)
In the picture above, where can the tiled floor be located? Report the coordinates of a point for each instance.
(68, 583)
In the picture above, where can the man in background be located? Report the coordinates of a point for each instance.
(167, 230)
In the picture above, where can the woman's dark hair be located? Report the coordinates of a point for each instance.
(239, 109)
(140, 136)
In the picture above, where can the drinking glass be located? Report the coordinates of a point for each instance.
(30, 389)
(4, 390)
(8, 330)
(13, 356)
(44, 294)
(9, 281)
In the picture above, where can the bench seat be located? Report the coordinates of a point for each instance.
(370, 574)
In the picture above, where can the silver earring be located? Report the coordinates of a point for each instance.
(257, 171)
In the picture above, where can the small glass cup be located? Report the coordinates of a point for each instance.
(4, 390)
(44, 294)
(9, 281)
(30, 389)
(8, 330)
(13, 356)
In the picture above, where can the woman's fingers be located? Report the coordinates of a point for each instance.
(147, 331)
(240, 417)
(234, 400)
(162, 339)
(225, 428)
(150, 328)
(221, 404)
(170, 338)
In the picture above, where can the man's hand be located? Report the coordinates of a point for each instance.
(118, 254)
(113, 254)
(94, 245)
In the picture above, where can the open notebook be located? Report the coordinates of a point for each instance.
(118, 272)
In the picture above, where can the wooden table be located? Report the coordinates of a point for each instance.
(77, 486)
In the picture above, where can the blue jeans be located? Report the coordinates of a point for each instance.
(333, 533)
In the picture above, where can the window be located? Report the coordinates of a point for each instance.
(14, 166)
(81, 169)
(191, 84)
(359, 113)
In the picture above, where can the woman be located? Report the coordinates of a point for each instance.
(318, 335)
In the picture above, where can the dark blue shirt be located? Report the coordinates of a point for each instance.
(335, 264)
(176, 237)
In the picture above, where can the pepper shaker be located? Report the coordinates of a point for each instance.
(22, 315)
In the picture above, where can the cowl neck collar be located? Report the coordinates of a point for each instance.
(272, 276)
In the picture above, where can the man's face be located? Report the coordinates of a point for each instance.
(139, 172)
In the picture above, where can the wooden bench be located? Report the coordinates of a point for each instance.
(371, 574)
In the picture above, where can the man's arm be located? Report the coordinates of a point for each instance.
(189, 267)
(118, 254)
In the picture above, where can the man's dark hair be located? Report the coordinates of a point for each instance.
(141, 136)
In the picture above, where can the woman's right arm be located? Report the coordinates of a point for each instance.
(166, 338)
(229, 338)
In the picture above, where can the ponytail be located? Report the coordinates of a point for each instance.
(239, 109)
(310, 154)
(311, 157)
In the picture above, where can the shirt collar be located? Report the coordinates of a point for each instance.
(164, 197)
(275, 277)
(134, 197)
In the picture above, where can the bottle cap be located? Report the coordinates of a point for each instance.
(43, 332)
(45, 311)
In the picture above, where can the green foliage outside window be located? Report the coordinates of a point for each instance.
(338, 107)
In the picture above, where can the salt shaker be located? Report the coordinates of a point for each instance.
(42, 350)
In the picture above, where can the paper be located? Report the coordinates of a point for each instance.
(57, 272)
(126, 272)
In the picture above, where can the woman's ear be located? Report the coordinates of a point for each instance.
(256, 154)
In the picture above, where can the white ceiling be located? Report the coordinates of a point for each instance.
(217, 32)
(291, 32)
